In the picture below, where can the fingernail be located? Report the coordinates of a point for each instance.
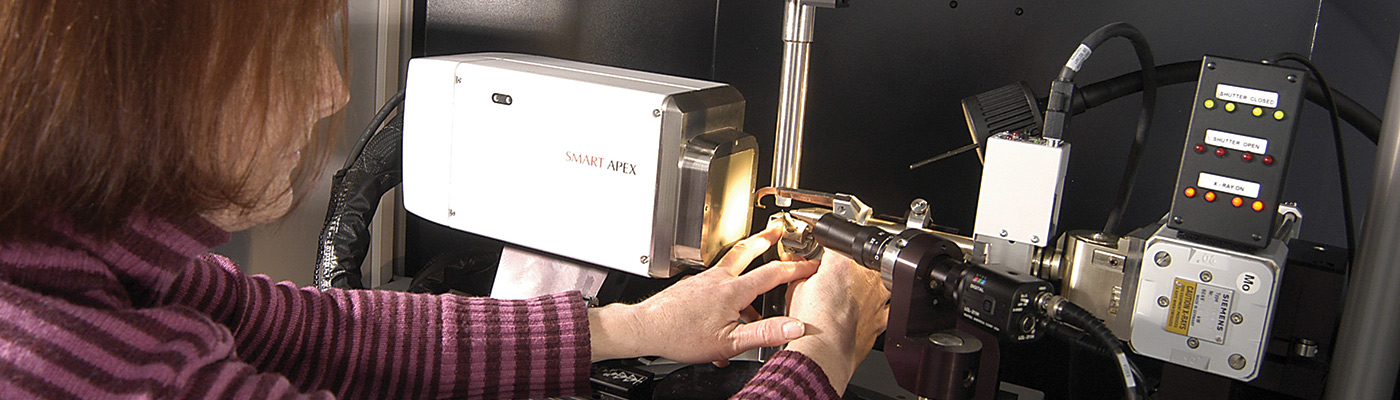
(794, 330)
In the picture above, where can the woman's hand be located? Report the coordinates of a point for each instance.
(698, 319)
(845, 307)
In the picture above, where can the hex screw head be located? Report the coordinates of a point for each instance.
(1004, 233)
(1237, 318)
(1035, 239)
(1163, 301)
(656, 112)
(1206, 276)
(1193, 343)
(645, 259)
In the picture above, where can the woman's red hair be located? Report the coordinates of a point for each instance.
(108, 108)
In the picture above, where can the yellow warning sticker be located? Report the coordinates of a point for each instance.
(1182, 304)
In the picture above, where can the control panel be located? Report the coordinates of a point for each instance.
(1237, 149)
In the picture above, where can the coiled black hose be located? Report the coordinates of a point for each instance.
(373, 168)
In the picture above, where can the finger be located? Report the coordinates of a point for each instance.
(748, 249)
(770, 275)
(721, 363)
(748, 314)
(774, 331)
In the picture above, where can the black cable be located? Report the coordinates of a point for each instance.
(1099, 93)
(1341, 152)
(1061, 96)
(1083, 341)
(1061, 309)
(374, 124)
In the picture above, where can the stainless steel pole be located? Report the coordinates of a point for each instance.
(1368, 341)
(792, 95)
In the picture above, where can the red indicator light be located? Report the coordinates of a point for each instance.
(1210, 196)
(1200, 148)
(1236, 201)
(1247, 157)
(1258, 206)
(1220, 151)
(1268, 160)
(1190, 192)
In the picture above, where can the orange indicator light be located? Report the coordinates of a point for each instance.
(1236, 201)
(1258, 206)
(1210, 196)
(1190, 192)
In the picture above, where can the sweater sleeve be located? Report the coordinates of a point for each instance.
(379, 344)
(788, 375)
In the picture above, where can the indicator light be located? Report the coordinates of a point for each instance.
(1229, 107)
(1237, 201)
(1189, 192)
(1210, 103)
(1258, 111)
(1200, 148)
(1220, 151)
(1258, 206)
(1278, 115)
(1268, 160)
(1247, 157)
(1210, 196)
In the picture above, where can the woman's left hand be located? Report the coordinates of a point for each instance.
(699, 318)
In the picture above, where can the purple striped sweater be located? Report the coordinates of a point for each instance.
(151, 314)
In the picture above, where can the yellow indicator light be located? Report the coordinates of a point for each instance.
(1229, 107)
(1237, 202)
(1210, 196)
(1210, 103)
(1258, 111)
(1278, 115)
(1258, 206)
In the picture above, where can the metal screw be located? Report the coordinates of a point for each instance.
(1162, 259)
(1193, 343)
(952, 4)
(1035, 239)
(645, 259)
(451, 213)
(1237, 361)
(1256, 237)
(1020, 11)
(1210, 65)
(1293, 79)
(1206, 276)
(1177, 220)
(1163, 301)
(919, 206)
(656, 112)
(1237, 318)
(1305, 348)
(1004, 233)
(969, 379)
(458, 79)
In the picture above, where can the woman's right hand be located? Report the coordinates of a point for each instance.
(845, 306)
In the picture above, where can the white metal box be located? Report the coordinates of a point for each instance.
(635, 171)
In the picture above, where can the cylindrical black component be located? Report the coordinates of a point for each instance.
(859, 242)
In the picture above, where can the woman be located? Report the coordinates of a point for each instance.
(135, 135)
